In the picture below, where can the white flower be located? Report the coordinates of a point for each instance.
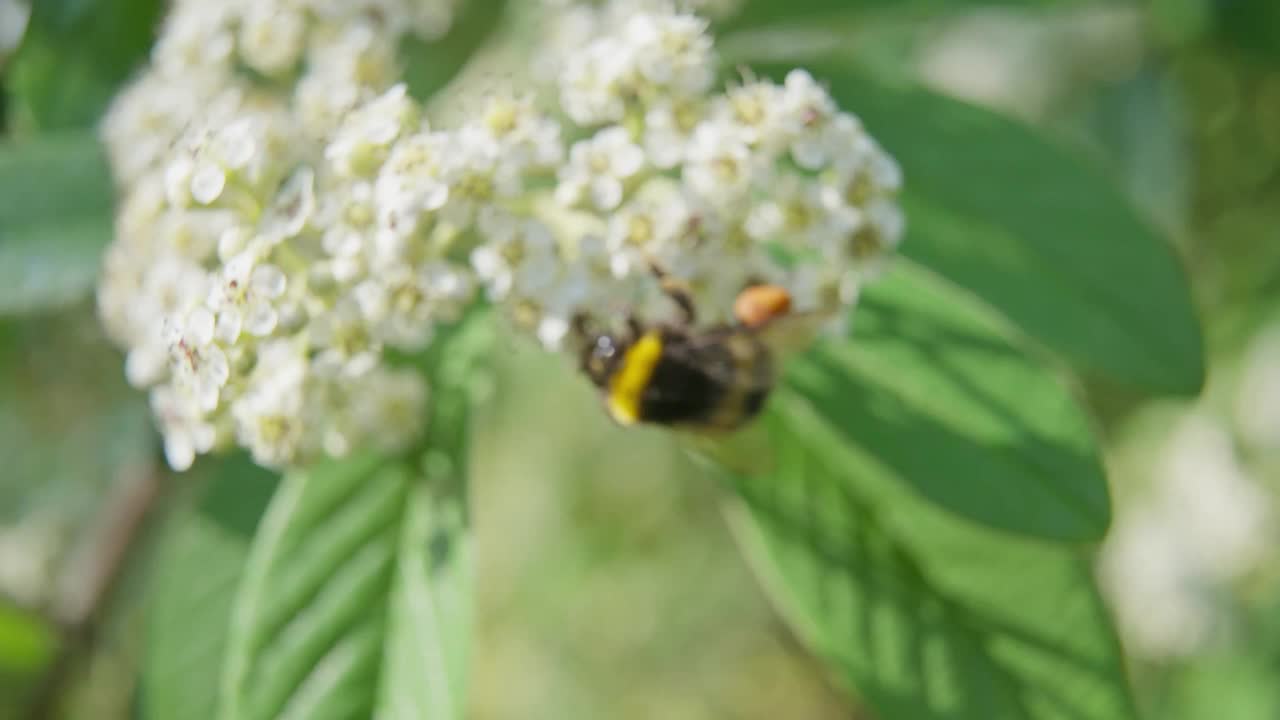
(198, 364)
(598, 169)
(644, 230)
(672, 51)
(243, 297)
(517, 256)
(405, 304)
(797, 214)
(1206, 523)
(384, 409)
(290, 226)
(721, 168)
(196, 35)
(13, 21)
(1257, 404)
(1164, 608)
(668, 131)
(366, 136)
(292, 208)
(477, 175)
(411, 184)
(186, 430)
(269, 418)
(590, 90)
(272, 37)
(810, 113)
(343, 341)
(525, 137)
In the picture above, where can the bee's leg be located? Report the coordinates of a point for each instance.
(582, 325)
(677, 291)
(635, 328)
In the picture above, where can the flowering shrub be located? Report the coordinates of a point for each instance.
(317, 241)
(275, 239)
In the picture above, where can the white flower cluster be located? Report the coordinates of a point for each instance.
(269, 254)
(1205, 524)
(216, 282)
(13, 21)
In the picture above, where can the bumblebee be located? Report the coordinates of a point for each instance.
(713, 379)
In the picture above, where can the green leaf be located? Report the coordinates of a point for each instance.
(55, 218)
(201, 564)
(771, 13)
(932, 390)
(27, 641)
(427, 653)
(429, 66)
(74, 57)
(1035, 231)
(923, 614)
(343, 564)
(357, 598)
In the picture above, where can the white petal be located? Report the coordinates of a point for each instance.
(214, 367)
(144, 366)
(606, 193)
(179, 451)
(627, 160)
(229, 326)
(261, 319)
(207, 184)
(199, 327)
(268, 280)
(552, 331)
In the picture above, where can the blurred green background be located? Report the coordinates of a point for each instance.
(608, 584)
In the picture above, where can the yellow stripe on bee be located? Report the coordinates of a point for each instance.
(633, 376)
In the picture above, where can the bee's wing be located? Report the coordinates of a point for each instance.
(782, 337)
(793, 333)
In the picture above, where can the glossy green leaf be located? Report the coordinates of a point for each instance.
(202, 560)
(339, 614)
(1036, 231)
(309, 622)
(75, 56)
(774, 13)
(357, 598)
(922, 613)
(429, 66)
(55, 218)
(932, 388)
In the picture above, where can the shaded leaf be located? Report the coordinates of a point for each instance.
(767, 13)
(309, 621)
(74, 57)
(950, 409)
(55, 218)
(921, 613)
(1035, 231)
(429, 66)
(201, 563)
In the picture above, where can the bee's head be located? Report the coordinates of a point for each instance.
(600, 357)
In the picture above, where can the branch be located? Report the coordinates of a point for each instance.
(120, 523)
